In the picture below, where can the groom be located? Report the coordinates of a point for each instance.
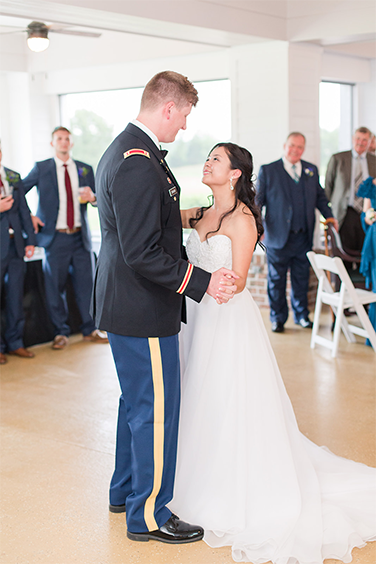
(140, 286)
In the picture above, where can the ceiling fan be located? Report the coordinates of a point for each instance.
(37, 34)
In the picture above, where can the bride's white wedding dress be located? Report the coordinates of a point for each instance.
(245, 472)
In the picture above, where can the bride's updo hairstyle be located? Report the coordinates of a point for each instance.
(244, 189)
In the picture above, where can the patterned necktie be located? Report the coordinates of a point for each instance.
(2, 188)
(296, 175)
(358, 202)
(70, 210)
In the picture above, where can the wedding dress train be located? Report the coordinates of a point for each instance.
(244, 471)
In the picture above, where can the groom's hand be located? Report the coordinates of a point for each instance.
(222, 285)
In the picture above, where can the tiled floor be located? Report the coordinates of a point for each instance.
(58, 415)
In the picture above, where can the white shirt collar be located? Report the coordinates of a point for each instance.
(59, 162)
(288, 165)
(356, 155)
(148, 132)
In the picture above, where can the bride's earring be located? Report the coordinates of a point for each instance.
(231, 185)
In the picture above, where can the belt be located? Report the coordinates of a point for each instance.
(69, 231)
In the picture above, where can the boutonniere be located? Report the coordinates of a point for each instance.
(83, 171)
(308, 171)
(12, 177)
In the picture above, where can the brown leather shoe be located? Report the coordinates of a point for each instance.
(3, 359)
(60, 342)
(22, 352)
(96, 336)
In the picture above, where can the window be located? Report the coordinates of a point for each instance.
(336, 120)
(95, 118)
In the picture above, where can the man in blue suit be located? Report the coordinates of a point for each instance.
(64, 188)
(290, 191)
(17, 241)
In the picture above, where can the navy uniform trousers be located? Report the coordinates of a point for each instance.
(67, 255)
(149, 376)
(13, 270)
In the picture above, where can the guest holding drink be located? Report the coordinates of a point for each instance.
(65, 187)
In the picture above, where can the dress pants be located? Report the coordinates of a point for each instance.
(12, 280)
(66, 254)
(149, 374)
(292, 256)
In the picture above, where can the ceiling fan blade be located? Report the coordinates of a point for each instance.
(72, 32)
(13, 32)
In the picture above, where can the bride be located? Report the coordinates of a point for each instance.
(244, 470)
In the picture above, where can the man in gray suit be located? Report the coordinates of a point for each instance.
(346, 171)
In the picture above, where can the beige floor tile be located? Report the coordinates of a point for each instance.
(58, 417)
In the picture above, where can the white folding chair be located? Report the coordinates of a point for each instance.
(346, 297)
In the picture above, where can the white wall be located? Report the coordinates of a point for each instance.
(259, 87)
(367, 100)
(305, 61)
(274, 90)
(15, 121)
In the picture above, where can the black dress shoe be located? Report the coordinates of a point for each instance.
(305, 323)
(117, 508)
(173, 531)
(277, 327)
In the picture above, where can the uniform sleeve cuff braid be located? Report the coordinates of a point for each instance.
(186, 279)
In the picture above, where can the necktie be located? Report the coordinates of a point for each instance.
(70, 210)
(163, 153)
(2, 188)
(296, 175)
(358, 202)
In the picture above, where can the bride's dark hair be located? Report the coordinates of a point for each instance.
(244, 189)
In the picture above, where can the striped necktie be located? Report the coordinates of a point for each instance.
(358, 202)
(296, 176)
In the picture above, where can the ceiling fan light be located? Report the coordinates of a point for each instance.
(38, 44)
(37, 36)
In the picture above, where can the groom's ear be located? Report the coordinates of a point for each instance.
(167, 108)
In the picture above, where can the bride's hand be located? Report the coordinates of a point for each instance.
(222, 285)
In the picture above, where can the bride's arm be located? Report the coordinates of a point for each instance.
(186, 215)
(243, 233)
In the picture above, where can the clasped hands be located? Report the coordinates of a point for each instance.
(222, 286)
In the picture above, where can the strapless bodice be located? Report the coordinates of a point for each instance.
(211, 254)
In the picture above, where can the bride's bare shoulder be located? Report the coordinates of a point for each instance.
(243, 222)
(243, 215)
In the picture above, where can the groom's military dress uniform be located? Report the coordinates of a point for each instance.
(139, 290)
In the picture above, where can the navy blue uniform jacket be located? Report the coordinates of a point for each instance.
(141, 277)
(274, 193)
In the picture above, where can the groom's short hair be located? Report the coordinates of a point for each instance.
(168, 86)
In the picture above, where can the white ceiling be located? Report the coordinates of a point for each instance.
(138, 29)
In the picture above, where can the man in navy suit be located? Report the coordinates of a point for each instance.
(64, 188)
(15, 222)
(290, 191)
